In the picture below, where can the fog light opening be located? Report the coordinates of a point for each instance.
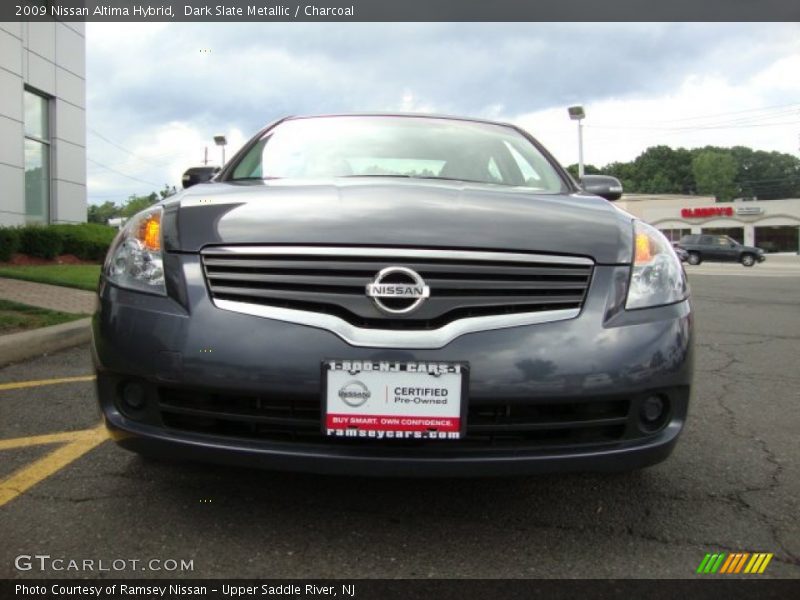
(133, 396)
(653, 412)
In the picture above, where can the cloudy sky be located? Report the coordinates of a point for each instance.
(157, 93)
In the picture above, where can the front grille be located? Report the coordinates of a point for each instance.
(332, 281)
(297, 420)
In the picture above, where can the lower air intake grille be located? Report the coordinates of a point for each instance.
(297, 420)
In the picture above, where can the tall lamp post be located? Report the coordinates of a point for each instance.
(576, 113)
(220, 140)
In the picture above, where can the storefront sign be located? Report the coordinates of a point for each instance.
(749, 210)
(711, 211)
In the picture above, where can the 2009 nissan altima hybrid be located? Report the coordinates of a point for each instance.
(395, 295)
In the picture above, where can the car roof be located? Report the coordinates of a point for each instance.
(402, 114)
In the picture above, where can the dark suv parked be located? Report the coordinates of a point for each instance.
(719, 248)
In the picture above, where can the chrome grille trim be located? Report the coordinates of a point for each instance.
(563, 297)
(430, 339)
(406, 252)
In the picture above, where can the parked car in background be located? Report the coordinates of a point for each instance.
(682, 254)
(719, 248)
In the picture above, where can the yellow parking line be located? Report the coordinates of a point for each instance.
(23, 479)
(48, 438)
(18, 385)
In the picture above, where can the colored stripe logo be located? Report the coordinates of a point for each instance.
(735, 562)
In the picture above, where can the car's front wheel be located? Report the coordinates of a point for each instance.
(694, 258)
(748, 260)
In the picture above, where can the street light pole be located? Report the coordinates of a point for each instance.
(220, 140)
(580, 148)
(576, 113)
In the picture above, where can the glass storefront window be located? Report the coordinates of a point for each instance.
(737, 233)
(36, 122)
(37, 158)
(780, 238)
(673, 235)
(37, 181)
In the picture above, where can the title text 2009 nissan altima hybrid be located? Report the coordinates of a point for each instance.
(395, 295)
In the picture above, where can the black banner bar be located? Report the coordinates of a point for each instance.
(401, 10)
(733, 588)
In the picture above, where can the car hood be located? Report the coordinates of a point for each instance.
(400, 213)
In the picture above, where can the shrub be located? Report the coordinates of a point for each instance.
(87, 241)
(39, 240)
(9, 242)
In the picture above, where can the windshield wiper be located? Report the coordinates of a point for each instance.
(378, 175)
(458, 179)
(425, 177)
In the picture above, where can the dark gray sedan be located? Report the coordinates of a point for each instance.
(395, 295)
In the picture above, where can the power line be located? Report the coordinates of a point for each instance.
(692, 128)
(120, 172)
(716, 122)
(736, 112)
(137, 157)
(116, 145)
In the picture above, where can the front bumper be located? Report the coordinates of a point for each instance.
(606, 359)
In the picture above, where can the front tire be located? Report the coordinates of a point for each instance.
(694, 258)
(748, 260)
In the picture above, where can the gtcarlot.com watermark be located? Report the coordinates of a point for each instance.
(47, 563)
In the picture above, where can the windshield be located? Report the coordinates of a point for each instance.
(425, 148)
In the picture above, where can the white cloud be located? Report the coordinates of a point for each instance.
(161, 91)
(702, 111)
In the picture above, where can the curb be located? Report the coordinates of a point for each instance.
(15, 347)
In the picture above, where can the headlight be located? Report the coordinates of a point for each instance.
(657, 276)
(134, 260)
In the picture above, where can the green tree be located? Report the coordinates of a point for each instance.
(662, 170)
(167, 191)
(715, 174)
(766, 175)
(665, 170)
(103, 212)
(587, 170)
(137, 204)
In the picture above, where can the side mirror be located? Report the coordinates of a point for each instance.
(197, 175)
(602, 185)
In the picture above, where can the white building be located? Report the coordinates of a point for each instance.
(42, 123)
(773, 225)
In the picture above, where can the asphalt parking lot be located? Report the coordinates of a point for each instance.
(732, 485)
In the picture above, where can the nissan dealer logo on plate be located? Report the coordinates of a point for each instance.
(398, 290)
(354, 393)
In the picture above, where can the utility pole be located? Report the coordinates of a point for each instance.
(205, 156)
(220, 141)
(576, 113)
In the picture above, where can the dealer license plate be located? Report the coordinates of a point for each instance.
(394, 400)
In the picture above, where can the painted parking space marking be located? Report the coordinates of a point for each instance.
(40, 440)
(72, 445)
(77, 444)
(18, 385)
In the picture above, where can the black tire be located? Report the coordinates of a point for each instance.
(748, 260)
(694, 258)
